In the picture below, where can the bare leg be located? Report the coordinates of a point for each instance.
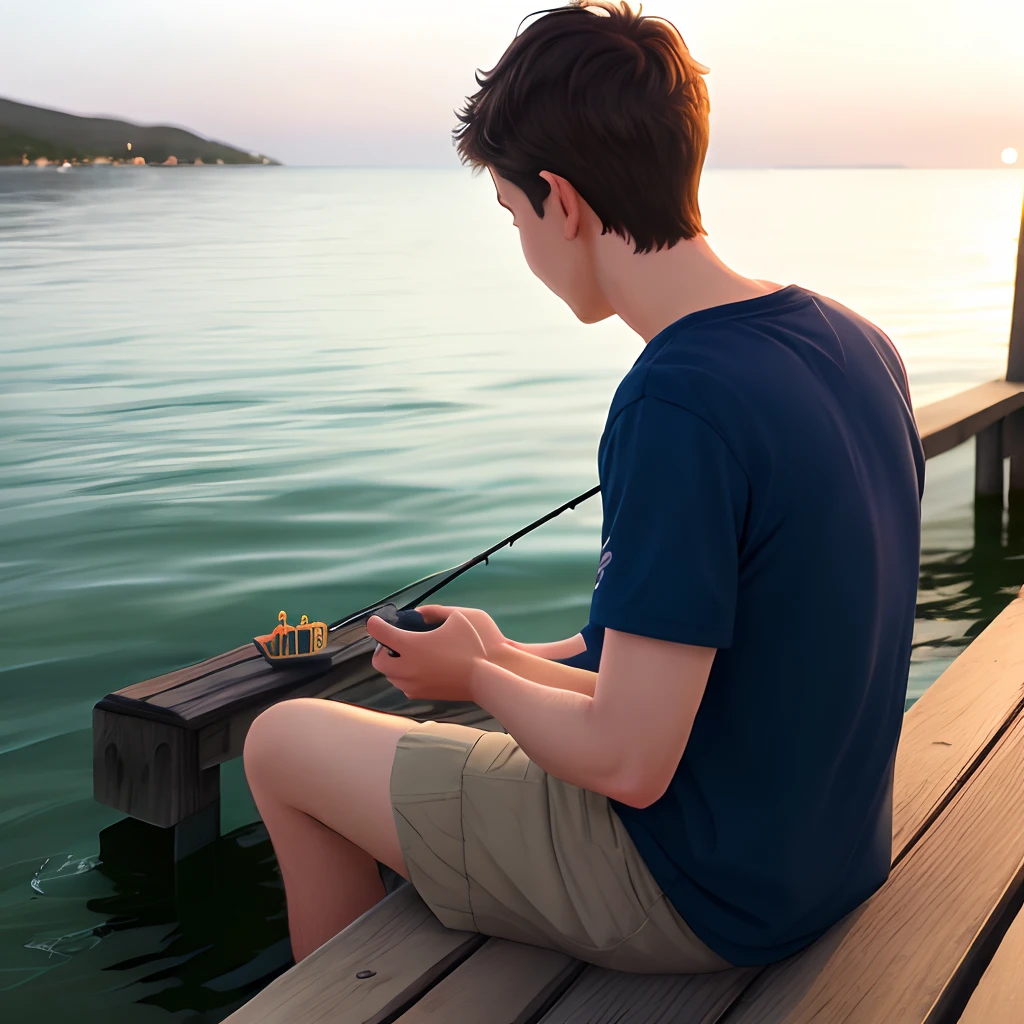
(320, 773)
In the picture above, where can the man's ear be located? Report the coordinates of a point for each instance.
(568, 199)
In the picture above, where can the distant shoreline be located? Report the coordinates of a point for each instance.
(40, 136)
(44, 162)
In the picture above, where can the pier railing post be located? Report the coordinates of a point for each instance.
(988, 461)
(1013, 445)
(1015, 357)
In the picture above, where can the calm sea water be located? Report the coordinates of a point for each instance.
(229, 391)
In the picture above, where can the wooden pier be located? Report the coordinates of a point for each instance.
(920, 950)
(942, 941)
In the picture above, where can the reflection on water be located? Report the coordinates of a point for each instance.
(232, 392)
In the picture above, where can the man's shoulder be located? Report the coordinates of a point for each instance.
(716, 368)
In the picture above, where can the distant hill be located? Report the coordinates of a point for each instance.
(28, 132)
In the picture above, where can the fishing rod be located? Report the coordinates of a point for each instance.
(445, 576)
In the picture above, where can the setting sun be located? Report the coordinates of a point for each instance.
(1009, 155)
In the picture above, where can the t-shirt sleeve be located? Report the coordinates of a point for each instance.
(675, 502)
(590, 657)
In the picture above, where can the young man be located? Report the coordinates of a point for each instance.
(714, 786)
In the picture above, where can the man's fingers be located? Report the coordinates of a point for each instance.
(386, 634)
(434, 612)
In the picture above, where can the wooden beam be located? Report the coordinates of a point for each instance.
(150, 769)
(157, 744)
(614, 997)
(951, 421)
(503, 983)
(1013, 446)
(988, 461)
(1015, 356)
(367, 974)
(999, 997)
(948, 732)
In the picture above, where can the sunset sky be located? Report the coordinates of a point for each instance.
(926, 83)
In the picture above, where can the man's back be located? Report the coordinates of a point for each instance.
(761, 475)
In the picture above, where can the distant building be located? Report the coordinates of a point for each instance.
(102, 160)
(139, 160)
(41, 161)
(198, 161)
(171, 161)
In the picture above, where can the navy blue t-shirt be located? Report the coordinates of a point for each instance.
(761, 476)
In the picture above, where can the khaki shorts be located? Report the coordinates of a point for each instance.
(495, 845)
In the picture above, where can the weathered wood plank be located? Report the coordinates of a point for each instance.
(399, 940)
(612, 997)
(205, 720)
(168, 681)
(362, 685)
(149, 770)
(949, 422)
(502, 983)
(999, 997)
(953, 724)
(906, 954)
(197, 702)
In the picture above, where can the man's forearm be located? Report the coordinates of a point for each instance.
(541, 670)
(556, 726)
(555, 648)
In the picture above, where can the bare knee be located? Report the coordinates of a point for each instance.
(271, 734)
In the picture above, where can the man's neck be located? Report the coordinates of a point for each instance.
(649, 291)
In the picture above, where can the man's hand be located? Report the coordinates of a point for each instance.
(625, 736)
(437, 665)
(486, 628)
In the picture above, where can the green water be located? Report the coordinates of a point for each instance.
(229, 391)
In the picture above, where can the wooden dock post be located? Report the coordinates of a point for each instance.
(1014, 439)
(988, 462)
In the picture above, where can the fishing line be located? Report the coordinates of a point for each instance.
(445, 576)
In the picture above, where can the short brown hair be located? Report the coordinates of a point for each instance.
(613, 103)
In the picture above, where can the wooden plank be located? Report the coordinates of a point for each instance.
(224, 739)
(128, 749)
(954, 723)
(907, 954)
(612, 997)
(399, 941)
(503, 983)
(999, 997)
(1015, 354)
(949, 422)
(198, 701)
(159, 684)
(166, 691)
